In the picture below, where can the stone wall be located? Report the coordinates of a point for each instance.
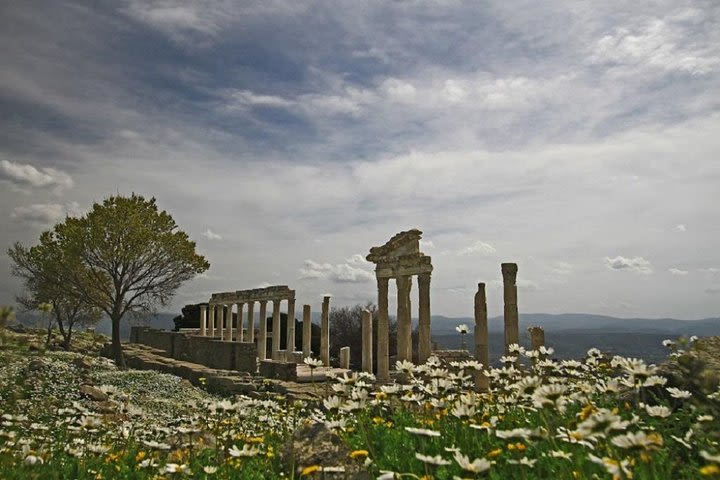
(206, 351)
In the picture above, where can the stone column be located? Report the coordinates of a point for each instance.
(367, 341)
(404, 325)
(512, 334)
(250, 323)
(276, 330)
(221, 321)
(228, 323)
(424, 346)
(262, 331)
(482, 344)
(290, 343)
(345, 358)
(212, 320)
(383, 335)
(203, 320)
(325, 332)
(537, 337)
(239, 335)
(307, 331)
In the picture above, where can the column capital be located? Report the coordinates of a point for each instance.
(509, 269)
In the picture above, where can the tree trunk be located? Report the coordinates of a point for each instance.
(49, 335)
(65, 334)
(116, 348)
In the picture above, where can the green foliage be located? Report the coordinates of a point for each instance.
(124, 256)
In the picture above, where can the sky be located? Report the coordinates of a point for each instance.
(580, 140)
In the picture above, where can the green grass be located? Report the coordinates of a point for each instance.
(156, 426)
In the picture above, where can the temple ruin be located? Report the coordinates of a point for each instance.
(400, 258)
(217, 321)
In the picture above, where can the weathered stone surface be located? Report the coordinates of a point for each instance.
(345, 357)
(482, 342)
(317, 445)
(512, 332)
(94, 394)
(276, 292)
(537, 337)
(278, 370)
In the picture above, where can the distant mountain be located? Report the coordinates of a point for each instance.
(582, 322)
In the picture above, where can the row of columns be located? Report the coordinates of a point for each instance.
(404, 322)
(217, 321)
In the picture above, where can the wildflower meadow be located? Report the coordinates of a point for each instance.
(596, 417)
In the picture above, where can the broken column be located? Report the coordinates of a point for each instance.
(276, 330)
(367, 341)
(383, 333)
(482, 347)
(345, 358)
(250, 322)
(307, 331)
(325, 332)
(512, 333)
(262, 331)
(424, 346)
(290, 330)
(203, 320)
(537, 337)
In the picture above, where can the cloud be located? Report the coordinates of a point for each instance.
(562, 268)
(44, 214)
(680, 228)
(340, 273)
(210, 235)
(426, 244)
(478, 248)
(25, 175)
(712, 291)
(678, 272)
(636, 264)
(710, 270)
(655, 44)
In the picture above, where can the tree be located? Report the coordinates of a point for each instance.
(134, 258)
(37, 267)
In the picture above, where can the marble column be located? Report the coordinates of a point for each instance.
(325, 332)
(276, 330)
(367, 341)
(228, 323)
(290, 341)
(250, 323)
(512, 333)
(345, 358)
(424, 345)
(482, 344)
(212, 320)
(404, 326)
(239, 335)
(537, 337)
(203, 320)
(383, 333)
(221, 321)
(262, 331)
(307, 331)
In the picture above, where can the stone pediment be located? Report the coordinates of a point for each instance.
(403, 244)
(400, 256)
